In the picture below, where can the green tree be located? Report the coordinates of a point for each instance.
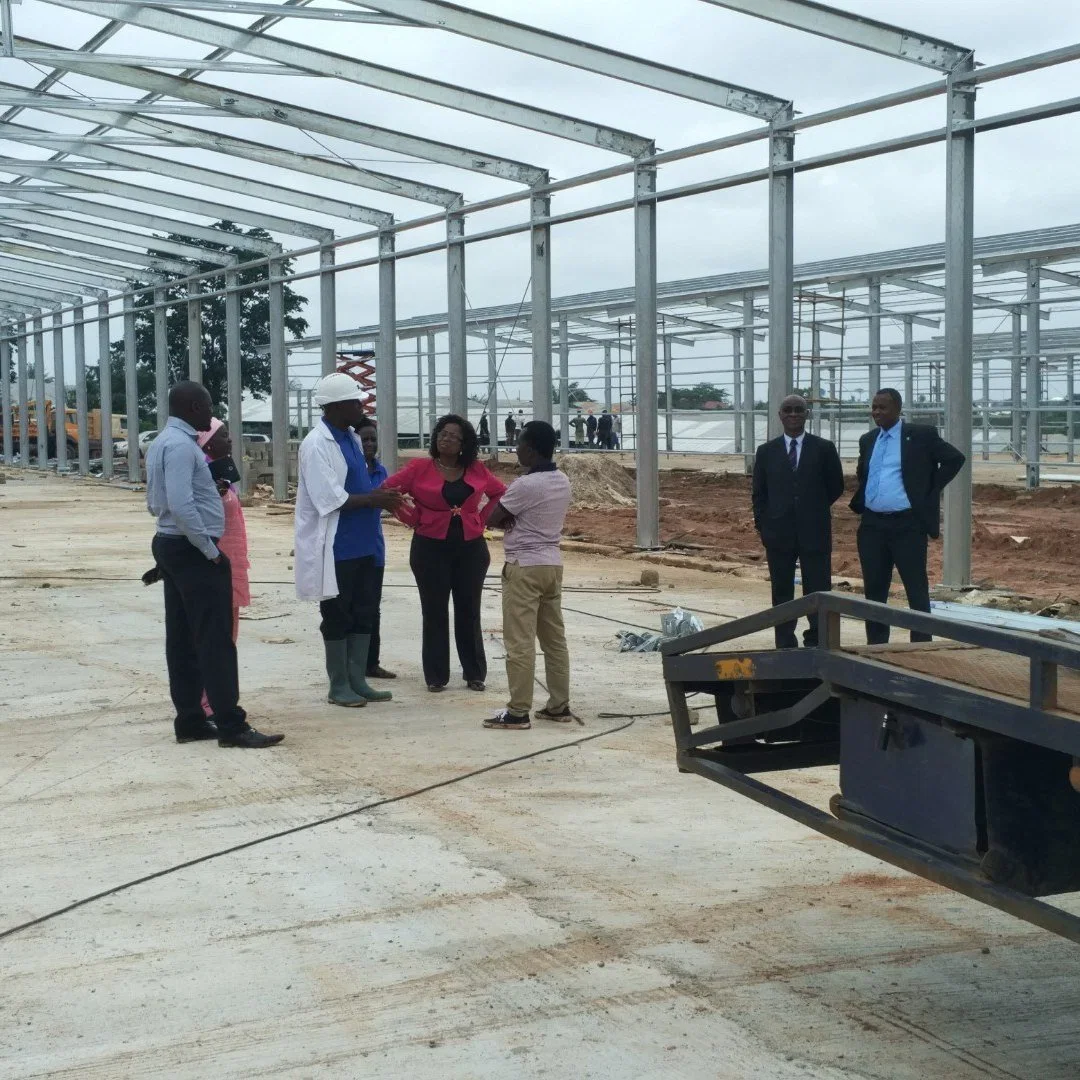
(693, 397)
(254, 331)
(575, 393)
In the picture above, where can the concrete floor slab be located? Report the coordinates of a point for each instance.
(588, 913)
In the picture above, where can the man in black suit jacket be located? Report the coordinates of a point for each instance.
(797, 478)
(903, 469)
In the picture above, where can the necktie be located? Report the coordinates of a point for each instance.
(793, 454)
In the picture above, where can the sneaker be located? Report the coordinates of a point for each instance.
(504, 718)
(561, 716)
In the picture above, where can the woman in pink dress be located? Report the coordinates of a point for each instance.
(233, 544)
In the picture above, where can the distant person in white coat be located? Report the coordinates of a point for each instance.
(337, 538)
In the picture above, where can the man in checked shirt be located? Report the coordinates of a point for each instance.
(199, 650)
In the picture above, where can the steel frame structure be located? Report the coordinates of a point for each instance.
(42, 274)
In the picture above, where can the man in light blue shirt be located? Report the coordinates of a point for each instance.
(199, 648)
(885, 492)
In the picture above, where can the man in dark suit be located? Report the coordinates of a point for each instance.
(903, 469)
(797, 478)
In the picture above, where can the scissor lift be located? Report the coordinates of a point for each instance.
(956, 757)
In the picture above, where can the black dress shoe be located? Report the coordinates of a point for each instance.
(191, 733)
(379, 672)
(249, 739)
(476, 684)
(436, 688)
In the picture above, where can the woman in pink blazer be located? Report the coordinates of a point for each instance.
(449, 555)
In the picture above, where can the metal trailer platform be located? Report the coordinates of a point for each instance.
(956, 757)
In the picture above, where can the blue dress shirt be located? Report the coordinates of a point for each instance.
(885, 492)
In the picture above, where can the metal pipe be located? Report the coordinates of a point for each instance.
(986, 410)
(540, 315)
(59, 393)
(564, 386)
(279, 385)
(5, 399)
(909, 362)
(234, 381)
(81, 415)
(161, 359)
(668, 418)
(781, 270)
(736, 391)
(456, 314)
(648, 474)
(1016, 392)
(105, 384)
(327, 310)
(39, 393)
(386, 371)
(420, 393)
(194, 337)
(493, 391)
(873, 374)
(607, 377)
(815, 380)
(1070, 398)
(131, 392)
(749, 426)
(1032, 359)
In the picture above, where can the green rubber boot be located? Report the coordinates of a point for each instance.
(359, 645)
(337, 667)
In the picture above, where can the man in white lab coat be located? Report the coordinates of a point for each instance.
(337, 519)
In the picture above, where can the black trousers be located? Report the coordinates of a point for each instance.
(376, 639)
(816, 567)
(886, 541)
(199, 648)
(443, 569)
(355, 609)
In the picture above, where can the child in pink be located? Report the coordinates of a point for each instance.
(233, 544)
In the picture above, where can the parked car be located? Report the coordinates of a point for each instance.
(120, 446)
(253, 437)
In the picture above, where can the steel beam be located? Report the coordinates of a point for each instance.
(736, 391)
(1033, 364)
(873, 373)
(669, 435)
(202, 177)
(5, 399)
(865, 309)
(24, 395)
(136, 193)
(277, 12)
(959, 276)
(855, 30)
(493, 391)
(607, 377)
(1016, 385)
(432, 397)
(646, 451)
(564, 385)
(938, 290)
(229, 101)
(39, 396)
(391, 81)
(194, 340)
(540, 313)
(39, 256)
(580, 54)
(35, 297)
(58, 278)
(98, 251)
(386, 373)
(59, 392)
(781, 270)
(131, 391)
(909, 362)
(749, 401)
(456, 314)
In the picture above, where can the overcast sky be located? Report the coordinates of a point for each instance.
(1025, 176)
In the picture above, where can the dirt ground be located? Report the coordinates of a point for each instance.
(707, 514)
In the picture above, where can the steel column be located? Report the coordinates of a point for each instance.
(540, 237)
(131, 391)
(986, 410)
(299, 412)
(607, 377)
(493, 390)
(1031, 351)
(749, 425)
(433, 402)
(1016, 391)
(909, 362)
(419, 393)
(648, 474)
(59, 393)
(456, 314)
(327, 311)
(959, 274)
(194, 340)
(81, 416)
(105, 385)
(161, 359)
(781, 268)
(279, 383)
(386, 371)
(816, 409)
(39, 394)
(234, 382)
(564, 385)
(24, 397)
(5, 399)
(736, 391)
(1070, 400)
(873, 371)
(668, 418)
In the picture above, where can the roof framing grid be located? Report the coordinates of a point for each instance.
(85, 284)
(103, 252)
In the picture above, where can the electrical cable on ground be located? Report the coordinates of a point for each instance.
(86, 900)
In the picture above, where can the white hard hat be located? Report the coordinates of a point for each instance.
(338, 387)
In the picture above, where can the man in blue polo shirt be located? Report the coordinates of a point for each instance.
(339, 539)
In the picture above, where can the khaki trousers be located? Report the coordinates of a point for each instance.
(532, 610)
